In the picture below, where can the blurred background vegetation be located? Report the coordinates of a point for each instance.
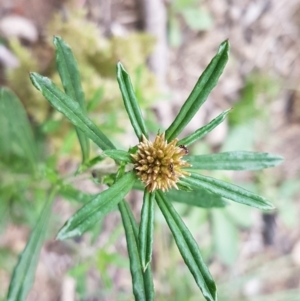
(165, 45)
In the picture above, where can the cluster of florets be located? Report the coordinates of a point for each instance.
(159, 164)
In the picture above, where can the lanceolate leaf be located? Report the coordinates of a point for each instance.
(146, 229)
(195, 197)
(228, 191)
(188, 248)
(198, 197)
(70, 77)
(203, 131)
(72, 110)
(234, 161)
(23, 275)
(130, 102)
(203, 87)
(97, 208)
(15, 130)
(142, 282)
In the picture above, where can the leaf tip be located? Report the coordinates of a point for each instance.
(120, 69)
(34, 79)
(280, 159)
(65, 232)
(56, 39)
(269, 206)
(224, 47)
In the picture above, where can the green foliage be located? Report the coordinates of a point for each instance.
(234, 161)
(16, 137)
(195, 189)
(94, 210)
(97, 57)
(142, 281)
(194, 14)
(69, 75)
(23, 275)
(188, 248)
(146, 229)
(206, 82)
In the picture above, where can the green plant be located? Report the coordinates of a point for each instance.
(193, 13)
(162, 169)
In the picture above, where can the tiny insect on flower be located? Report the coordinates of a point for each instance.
(159, 164)
(184, 148)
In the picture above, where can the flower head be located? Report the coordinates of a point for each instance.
(159, 164)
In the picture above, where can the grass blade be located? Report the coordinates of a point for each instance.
(131, 103)
(234, 161)
(23, 275)
(70, 78)
(198, 96)
(228, 191)
(188, 248)
(142, 283)
(72, 110)
(146, 229)
(98, 207)
(203, 131)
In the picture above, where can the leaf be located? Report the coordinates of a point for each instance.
(203, 87)
(188, 248)
(72, 110)
(203, 131)
(23, 275)
(97, 208)
(142, 283)
(16, 137)
(118, 155)
(146, 229)
(131, 103)
(197, 197)
(228, 191)
(240, 160)
(70, 78)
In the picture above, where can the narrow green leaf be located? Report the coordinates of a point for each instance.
(131, 103)
(68, 71)
(234, 161)
(97, 208)
(16, 137)
(23, 275)
(188, 248)
(146, 229)
(142, 283)
(70, 77)
(198, 96)
(198, 197)
(118, 155)
(72, 110)
(228, 191)
(203, 131)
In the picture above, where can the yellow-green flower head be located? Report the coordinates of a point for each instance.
(159, 164)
